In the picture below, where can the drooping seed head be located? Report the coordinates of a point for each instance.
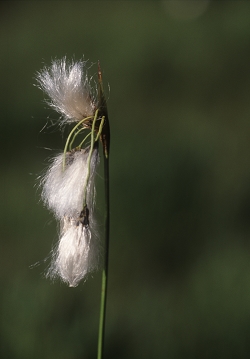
(68, 86)
(64, 189)
(76, 255)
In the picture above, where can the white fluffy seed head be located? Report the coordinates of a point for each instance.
(76, 255)
(64, 189)
(77, 251)
(68, 86)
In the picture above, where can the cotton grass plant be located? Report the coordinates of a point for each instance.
(68, 186)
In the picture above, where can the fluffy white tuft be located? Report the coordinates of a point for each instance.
(76, 255)
(68, 86)
(77, 251)
(63, 190)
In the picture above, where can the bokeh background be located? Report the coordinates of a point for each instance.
(177, 78)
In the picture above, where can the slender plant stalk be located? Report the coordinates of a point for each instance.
(105, 139)
(105, 268)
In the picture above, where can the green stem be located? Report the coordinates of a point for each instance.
(69, 137)
(82, 142)
(105, 269)
(100, 129)
(74, 137)
(89, 156)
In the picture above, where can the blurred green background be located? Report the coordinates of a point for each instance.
(177, 77)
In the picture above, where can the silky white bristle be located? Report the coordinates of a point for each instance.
(68, 86)
(64, 189)
(76, 255)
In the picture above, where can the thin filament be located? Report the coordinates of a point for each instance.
(69, 136)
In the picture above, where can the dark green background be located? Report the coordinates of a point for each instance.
(180, 180)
